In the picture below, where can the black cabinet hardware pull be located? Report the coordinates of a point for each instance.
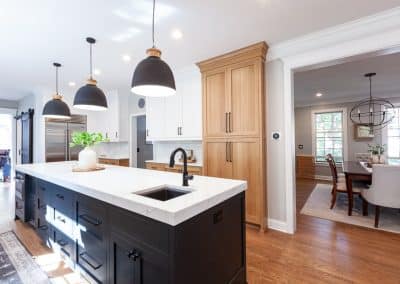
(229, 121)
(62, 243)
(226, 152)
(60, 196)
(94, 266)
(133, 255)
(231, 150)
(61, 219)
(43, 227)
(226, 122)
(90, 220)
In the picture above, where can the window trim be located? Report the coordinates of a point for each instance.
(384, 133)
(343, 110)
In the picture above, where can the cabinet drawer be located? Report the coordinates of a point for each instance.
(91, 216)
(62, 201)
(20, 208)
(92, 256)
(149, 231)
(64, 244)
(63, 222)
(43, 228)
(43, 191)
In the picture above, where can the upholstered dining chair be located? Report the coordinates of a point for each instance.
(339, 183)
(384, 190)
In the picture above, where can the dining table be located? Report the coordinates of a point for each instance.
(354, 171)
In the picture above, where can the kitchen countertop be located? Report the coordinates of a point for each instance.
(116, 185)
(197, 164)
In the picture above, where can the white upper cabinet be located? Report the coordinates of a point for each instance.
(191, 107)
(155, 118)
(108, 122)
(177, 117)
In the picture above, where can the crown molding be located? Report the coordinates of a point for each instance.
(381, 22)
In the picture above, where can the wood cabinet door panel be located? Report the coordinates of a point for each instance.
(218, 164)
(244, 100)
(245, 157)
(215, 104)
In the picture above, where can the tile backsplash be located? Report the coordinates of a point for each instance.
(113, 149)
(162, 150)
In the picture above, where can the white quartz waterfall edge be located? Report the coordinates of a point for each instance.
(318, 203)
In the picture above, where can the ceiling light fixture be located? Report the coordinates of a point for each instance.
(373, 112)
(153, 77)
(56, 108)
(176, 34)
(90, 97)
(318, 95)
(126, 58)
(72, 84)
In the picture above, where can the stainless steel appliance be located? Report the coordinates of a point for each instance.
(58, 136)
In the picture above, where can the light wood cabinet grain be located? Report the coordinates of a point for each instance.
(234, 123)
(193, 170)
(115, 162)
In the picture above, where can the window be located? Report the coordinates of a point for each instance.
(329, 134)
(393, 138)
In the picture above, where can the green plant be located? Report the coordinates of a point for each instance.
(86, 139)
(376, 149)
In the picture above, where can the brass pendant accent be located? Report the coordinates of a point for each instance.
(153, 52)
(91, 81)
(57, 96)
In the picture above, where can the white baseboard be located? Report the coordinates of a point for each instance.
(319, 177)
(278, 225)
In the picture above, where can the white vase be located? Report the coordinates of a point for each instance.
(375, 159)
(87, 159)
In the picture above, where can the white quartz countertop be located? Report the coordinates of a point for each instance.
(117, 185)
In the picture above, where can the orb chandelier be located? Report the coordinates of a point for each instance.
(373, 112)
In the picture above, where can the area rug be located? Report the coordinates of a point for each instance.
(318, 204)
(16, 264)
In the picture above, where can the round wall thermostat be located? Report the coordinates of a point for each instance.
(141, 103)
(276, 135)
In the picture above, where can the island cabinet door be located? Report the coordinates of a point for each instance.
(133, 262)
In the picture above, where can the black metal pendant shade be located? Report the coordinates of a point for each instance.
(56, 108)
(153, 77)
(89, 96)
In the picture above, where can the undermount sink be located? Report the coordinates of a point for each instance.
(164, 192)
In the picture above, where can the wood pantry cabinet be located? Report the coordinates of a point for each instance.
(234, 123)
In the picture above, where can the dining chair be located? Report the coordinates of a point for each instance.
(384, 190)
(339, 183)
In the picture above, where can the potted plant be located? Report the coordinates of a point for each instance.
(377, 152)
(87, 157)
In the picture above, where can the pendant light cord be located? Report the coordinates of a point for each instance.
(91, 62)
(56, 80)
(154, 8)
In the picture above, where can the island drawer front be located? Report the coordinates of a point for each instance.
(92, 216)
(62, 200)
(43, 228)
(92, 256)
(43, 191)
(63, 222)
(151, 232)
(64, 244)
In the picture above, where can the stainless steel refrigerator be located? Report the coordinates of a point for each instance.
(58, 137)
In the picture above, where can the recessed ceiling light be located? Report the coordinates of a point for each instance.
(176, 34)
(318, 95)
(72, 84)
(126, 58)
(97, 71)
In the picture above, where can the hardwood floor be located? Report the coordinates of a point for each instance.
(321, 251)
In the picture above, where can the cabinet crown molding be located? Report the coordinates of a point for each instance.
(257, 50)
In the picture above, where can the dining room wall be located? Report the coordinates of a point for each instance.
(303, 133)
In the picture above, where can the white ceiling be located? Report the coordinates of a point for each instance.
(36, 33)
(346, 82)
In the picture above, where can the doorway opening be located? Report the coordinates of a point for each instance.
(140, 149)
(7, 145)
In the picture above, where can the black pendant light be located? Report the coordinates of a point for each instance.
(153, 77)
(373, 112)
(90, 97)
(56, 108)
